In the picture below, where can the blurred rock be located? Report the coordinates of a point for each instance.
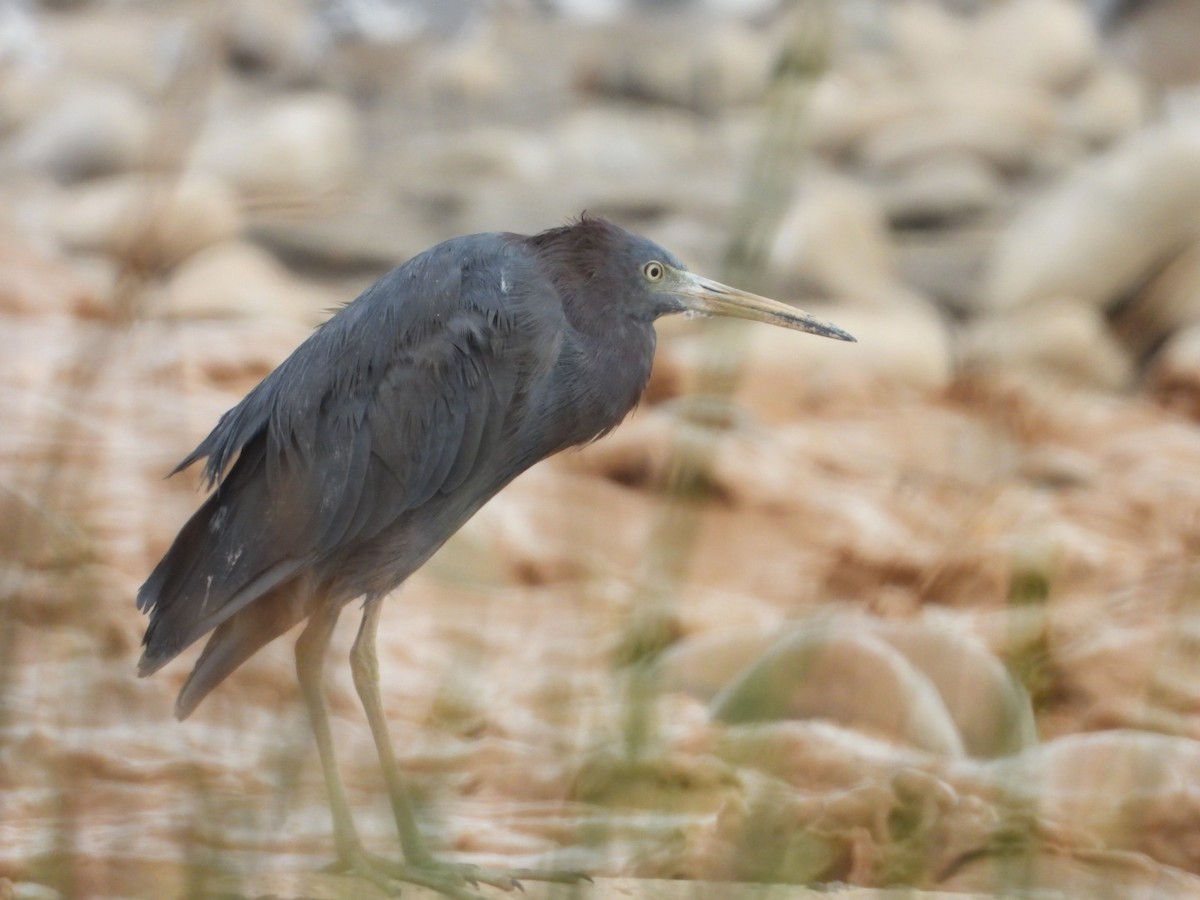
(1148, 779)
(279, 38)
(239, 280)
(32, 890)
(1101, 229)
(1060, 339)
(33, 285)
(618, 143)
(991, 711)
(946, 265)
(217, 360)
(782, 373)
(928, 38)
(854, 680)
(702, 665)
(95, 129)
(940, 190)
(1083, 872)
(1156, 38)
(516, 154)
(1168, 301)
(295, 148)
(1110, 105)
(1047, 42)
(108, 44)
(1044, 43)
(472, 70)
(341, 242)
(1004, 124)
(1173, 374)
(25, 93)
(847, 107)
(706, 66)
(149, 222)
(835, 237)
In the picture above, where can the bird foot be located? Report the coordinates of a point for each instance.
(450, 879)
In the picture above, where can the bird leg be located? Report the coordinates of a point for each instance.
(364, 665)
(420, 866)
(311, 650)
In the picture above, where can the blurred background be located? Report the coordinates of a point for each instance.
(918, 611)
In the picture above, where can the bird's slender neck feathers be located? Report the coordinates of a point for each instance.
(607, 360)
(575, 258)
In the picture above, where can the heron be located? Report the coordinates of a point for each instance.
(352, 462)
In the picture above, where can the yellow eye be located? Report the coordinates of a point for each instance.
(654, 270)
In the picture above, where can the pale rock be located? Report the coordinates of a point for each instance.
(946, 264)
(1101, 229)
(1148, 778)
(102, 277)
(1004, 124)
(717, 65)
(364, 237)
(217, 360)
(108, 44)
(504, 153)
(239, 280)
(991, 711)
(1061, 339)
(847, 107)
(1158, 40)
(854, 680)
(472, 71)
(1109, 106)
(95, 129)
(1173, 375)
(702, 665)
(150, 222)
(836, 237)
(927, 38)
(1056, 871)
(1170, 300)
(606, 141)
(1051, 43)
(781, 374)
(297, 148)
(279, 37)
(31, 890)
(25, 93)
(941, 189)
(737, 9)
(33, 285)
(1058, 467)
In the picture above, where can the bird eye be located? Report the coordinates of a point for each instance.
(654, 271)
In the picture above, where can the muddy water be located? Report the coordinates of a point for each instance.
(921, 539)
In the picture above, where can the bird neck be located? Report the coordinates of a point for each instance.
(611, 373)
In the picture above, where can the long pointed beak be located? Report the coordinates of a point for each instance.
(712, 298)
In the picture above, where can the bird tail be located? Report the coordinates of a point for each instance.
(216, 566)
(171, 595)
(241, 636)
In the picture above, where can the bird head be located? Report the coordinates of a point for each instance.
(602, 270)
(674, 289)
